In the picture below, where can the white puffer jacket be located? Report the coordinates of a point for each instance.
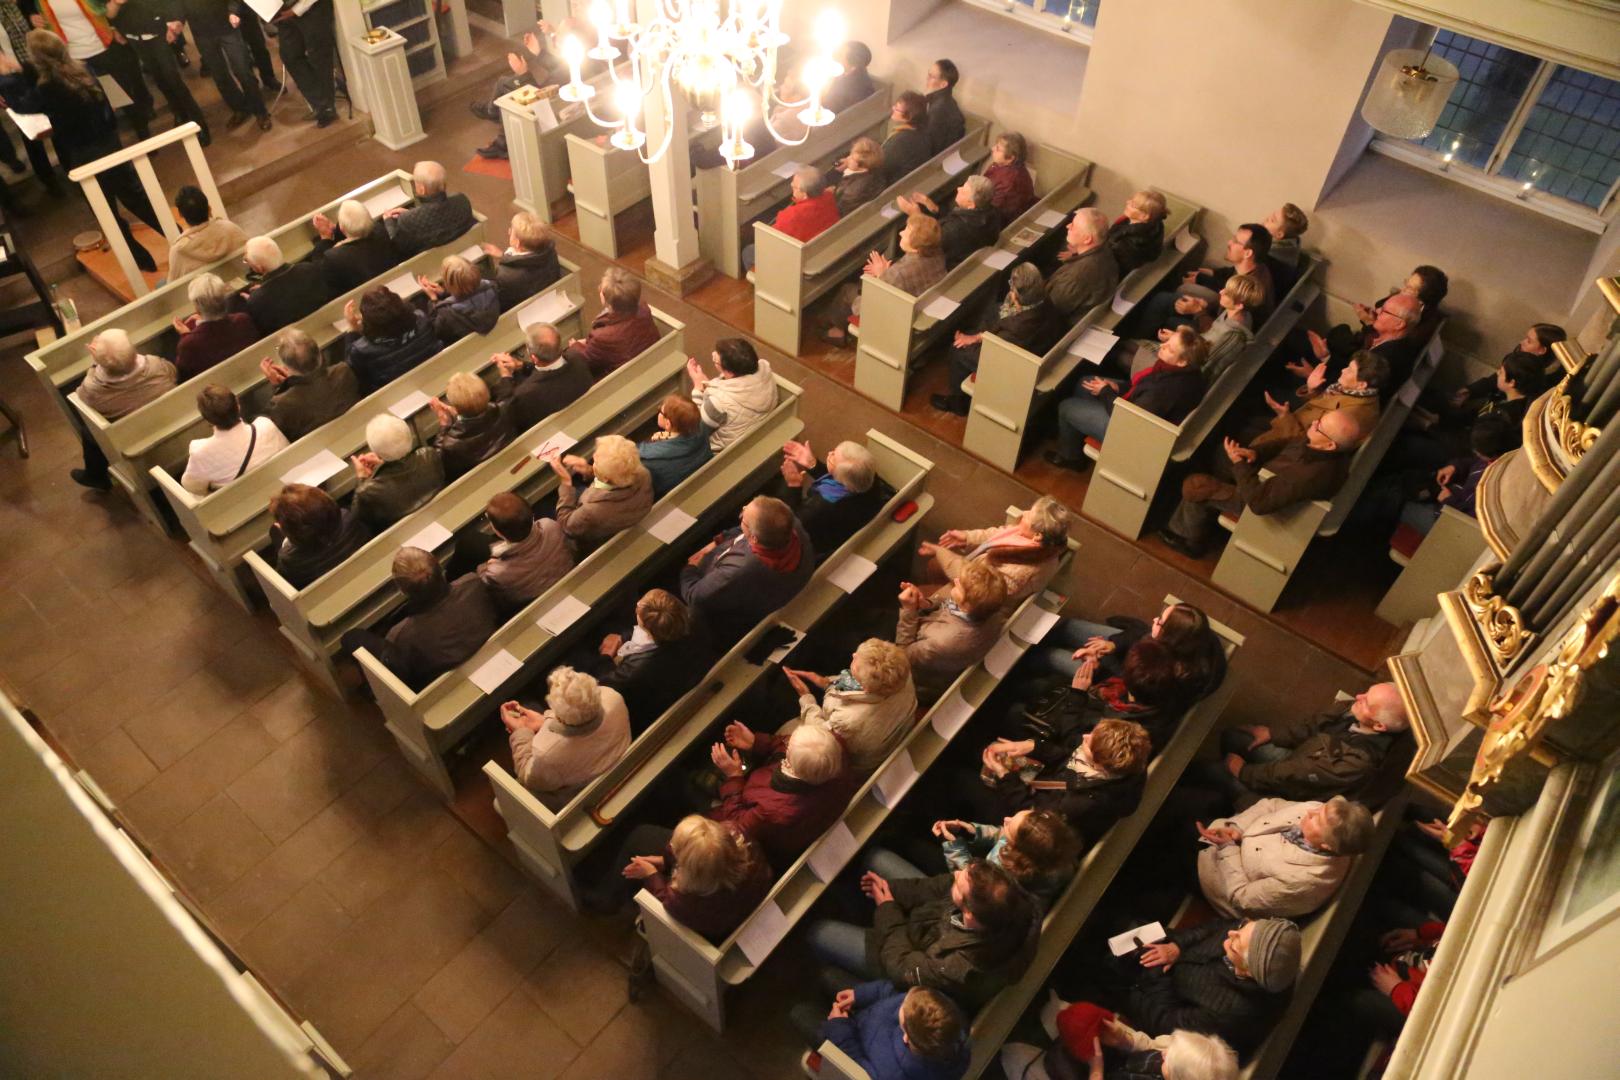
(730, 407)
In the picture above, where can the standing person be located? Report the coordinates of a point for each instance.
(15, 26)
(309, 51)
(91, 41)
(224, 55)
(83, 129)
(945, 121)
(150, 31)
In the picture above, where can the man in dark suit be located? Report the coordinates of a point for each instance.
(546, 380)
(437, 218)
(748, 572)
(661, 660)
(946, 123)
(832, 501)
(529, 263)
(352, 250)
(1030, 322)
(284, 293)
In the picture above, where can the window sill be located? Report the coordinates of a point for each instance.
(1507, 190)
(1079, 33)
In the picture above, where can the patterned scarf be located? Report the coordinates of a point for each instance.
(846, 683)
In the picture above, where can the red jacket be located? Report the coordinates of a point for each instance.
(616, 339)
(782, 815)
(803, 220)
(1014, 189)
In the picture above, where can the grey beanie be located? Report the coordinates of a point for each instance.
(1273, 957)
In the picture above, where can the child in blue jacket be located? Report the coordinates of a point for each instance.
(915, 1034)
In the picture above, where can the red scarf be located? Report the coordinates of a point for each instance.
(784, 560)
(1159, 368)
(1112, 693)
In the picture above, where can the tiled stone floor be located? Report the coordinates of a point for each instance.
(399, 927)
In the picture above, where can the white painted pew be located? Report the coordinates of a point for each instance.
(1441, 562)
(605, 182)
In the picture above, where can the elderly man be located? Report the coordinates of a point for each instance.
(1196, 301)
(119, 381)
(528, 557)
(621, 330)
(528, 264)
(437, 218)
(394, 476)
(352, 250)
(1355, 392)
(1311, 467)
(285, 293)
(972, 223)
(834, 500)
(543, 381)
(1333, 753)
(1280, 859)
(1392, 335)
(444, 622)
(1088, 273)
(1026, 319)
(307, 391)
(813, 209)
(749, 571)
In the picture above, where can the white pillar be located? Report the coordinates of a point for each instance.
(678, 265)
(396, 121)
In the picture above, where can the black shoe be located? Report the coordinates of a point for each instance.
(94, 483)
(1176, 542)
(236, 120)
(326, 119)
(483, 110)
(272, 85)
(263, 122)
(951, 403)
(1052, 457)
(204, 136)
(495, 151)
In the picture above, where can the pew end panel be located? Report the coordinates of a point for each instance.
(778, 283)
(605, 181)
(1129, 467)
(1004, 396)
(1444, 558)
(883, 352)
(539, 152)
(133, 484)
(283, 601)
(531, 827)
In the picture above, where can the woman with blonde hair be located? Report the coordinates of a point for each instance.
(1026, 552)
(870, 705)
(618, 491)
(708, 876)
(920, 266)
(471, 426)
(463, 301)
(858, 177)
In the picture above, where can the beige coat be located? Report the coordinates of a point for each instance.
(557, 761)
(117, 397)
(202, 245)
(592, 515)
(1264, 875)
(1024, 579)
(870, 727)
(941, 645)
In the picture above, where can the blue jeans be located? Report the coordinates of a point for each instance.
(1080, 417)
(842, 945)
(1055, 654)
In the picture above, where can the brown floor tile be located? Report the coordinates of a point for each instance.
(183, 719)
(303, 775)
(517, 1041)
(488, 877)
(392, 850)
(492, 964)
(212, 848)
(289, 708)
(634, 1046)
(190, 782)
(117, 765)
(297, 936)
(580, 988)
(408, 1046)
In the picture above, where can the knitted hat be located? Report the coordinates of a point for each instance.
(1273, 957)
(1079, 1025)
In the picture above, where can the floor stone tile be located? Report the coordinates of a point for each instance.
(517, 1041)
(117, 765)
(190, 782)
(303, 775)
(487, 876)
(183, 719)
(297, 936)
(391, 851)
(580, 987)
(213, 847)
(407, 1047)
(491, 965)
(287, 869)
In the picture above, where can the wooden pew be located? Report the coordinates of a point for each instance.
(549, 843)
(1069, 912)
(729, 201)
(898, 328)
(360, 591)
(1444, 558)
(1013, 383)
(428, 722)
(536, 143)
(605, 182)
(697, 972)
(158, 433)
(1265, 549)
(1140, 447)
(789, 274)
(61, 364)
(226, 524)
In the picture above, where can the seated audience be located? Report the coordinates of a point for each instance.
(444, 623)
(1355, 393)
(1456, 483)
(855, 84)
(1009, 176)
(1092, 778)
(353, 250)
(832, 501)
(678, 449)
(1428, 285)
(946, 124)
(528, 264)
(870, 705)
(582, 734)
(1392, 335)
(537, 65)
(1026, 319)
(1137, 236)
(1037, 848)
(471, 427)
(1170, 390)
(920, 266)
(310, 534)
(708, 875)
(1286, 224)
(908, 146)
(1246, 253)
(1088, 273)
(395, 476)
(545, 380)
(748, 572)
(1443, 435)
(528, 557)
(737, 397)
(813, 209)
(1026, 553)
(915, 1034)
(970, 224)
(1538, 341)
(621, 331)
(966, 933)
(792, 788)
(617, 493)
(756, 132)
(436, 218)
(1196, 301)
(946, 635)
(1233, 331)
(657, 663)
(205, 239)
(1280, 858)
(389, 338)
(119, 381)
(1312, 467)
(306, 391)
(858, 177)
(1180, 1055)
(284, 293)
(1224, 977)
(1199, 656)
(463, 303)
(234, 447)
(214, 333)
(1318, 757)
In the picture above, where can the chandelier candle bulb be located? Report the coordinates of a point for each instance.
(602, 18)
(573, 51)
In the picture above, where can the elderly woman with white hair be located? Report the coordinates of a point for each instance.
(870, 705)
(352, 250)
(793, 789)
(1026, 552)
(583, 732)
(617, 492)
(120, 380)
(832, 501)
(437, 218)
(1180, 1055)
(396, 476)
(970, 224)
(471, 427)
(214, 332)
(285, 292)
(1088, 273)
